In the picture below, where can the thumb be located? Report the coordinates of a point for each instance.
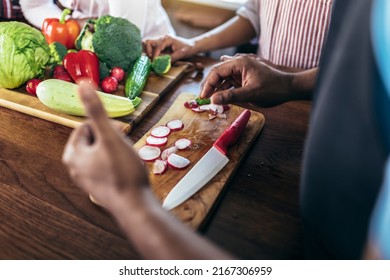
(232, 95)
(94, 109)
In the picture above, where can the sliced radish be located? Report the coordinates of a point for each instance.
(167, 152)
(221, 116)
(212, 116)
(160, 131)
(149, 153)
(175, 125)
(159, 167)
(177, 161)
(198, 110)
(205, 107)
(226, 107)
(183, 143)
(216, 108)
(191, 104)
(154, 141)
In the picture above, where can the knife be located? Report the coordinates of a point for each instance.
(208, 166)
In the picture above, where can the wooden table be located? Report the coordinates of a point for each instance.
(44, 216)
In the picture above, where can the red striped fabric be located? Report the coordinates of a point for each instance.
(292, 32)
(10, 9)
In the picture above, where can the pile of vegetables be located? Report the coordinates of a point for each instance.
(107, 51)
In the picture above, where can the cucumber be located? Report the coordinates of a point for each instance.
(161, 64)
(63, 97)
(136, 81)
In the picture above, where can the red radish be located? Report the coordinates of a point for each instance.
(205, 107)
(109, 84)
(191, 104)
(226, 107)
(177, 161)
(59, 69)
(167, 152)
(183, 143)
(198, 110)
(160, 131)
(175, 125)
(159, 167)
(64, 76)
(216, 108)
(149, 153)
(117, 73)
(154, 141)
(31, 86)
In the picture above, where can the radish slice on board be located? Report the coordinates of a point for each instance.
(154, 141)
(175, 125)
(159, 167)
(167, 152)
(198, 110)
(205, 107)
(177, 161)
(160, 131)
(226, 107)
(149, 153)
(191, 104)
(183, 143)
(216, 108)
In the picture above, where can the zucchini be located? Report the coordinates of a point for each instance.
(63, 97)
(136, 81)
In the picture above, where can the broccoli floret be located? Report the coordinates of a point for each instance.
(57, 53)
(103, 69)
(116, 41)
(161, 64)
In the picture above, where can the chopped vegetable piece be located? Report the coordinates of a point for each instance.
(175, 125)
(198, 110)
(160, 166)
(205, 107)
(160, 131)
(216, 108)
(158, 142)
(183, 143)
(177, 161)
(202, 101)
(161, 64)
(212, 116)
(191, 104)
(226, 107)
(167, 152)
(149, 153)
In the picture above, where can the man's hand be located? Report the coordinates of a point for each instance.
(176, 47)
(246, 79)
(99, 158)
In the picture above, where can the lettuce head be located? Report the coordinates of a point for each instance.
(23, 54)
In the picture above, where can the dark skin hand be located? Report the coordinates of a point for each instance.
(249, 79)
(102, 162)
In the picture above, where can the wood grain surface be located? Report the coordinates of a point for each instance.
(155, 87)
(202, 132)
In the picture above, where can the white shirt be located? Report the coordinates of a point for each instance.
(148, 15)
(290, 32)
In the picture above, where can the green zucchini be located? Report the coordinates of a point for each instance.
(63, 97)
(136, 81)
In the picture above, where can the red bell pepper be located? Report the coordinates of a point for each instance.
(81, 65)
(61, 30)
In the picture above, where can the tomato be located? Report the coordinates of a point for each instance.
(109, 84)
(118, 73)
(31, 86)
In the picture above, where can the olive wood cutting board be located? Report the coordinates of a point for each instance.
(155, 87)
(203, 133)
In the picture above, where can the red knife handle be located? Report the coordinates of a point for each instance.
(233, 132)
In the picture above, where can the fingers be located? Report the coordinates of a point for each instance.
(81, 137)
(95, 111)
(232, 95)
(216, 76)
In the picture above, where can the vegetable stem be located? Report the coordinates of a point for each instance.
(63, 15)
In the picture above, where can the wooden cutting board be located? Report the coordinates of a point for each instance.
(155, 87)
(203, 133)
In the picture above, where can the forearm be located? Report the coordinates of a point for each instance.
(158, 235)
(36, 11)
(232, 33)
(303, 84)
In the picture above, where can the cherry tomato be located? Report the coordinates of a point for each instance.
(117, 73)
(62, 76)
(109, 84)
(31, 86)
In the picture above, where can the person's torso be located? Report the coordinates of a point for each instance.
(346, 147)
(292, 32)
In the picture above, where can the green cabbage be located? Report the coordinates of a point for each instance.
(23, 54)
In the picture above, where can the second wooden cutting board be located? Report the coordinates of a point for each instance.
(203, 133)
